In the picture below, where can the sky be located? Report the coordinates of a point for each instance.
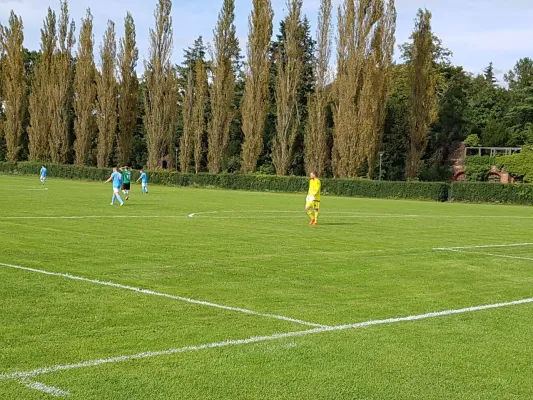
(476, 31)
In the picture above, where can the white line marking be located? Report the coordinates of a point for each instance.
(297, 215)
(487, 246)
(488, 254)
(53, 391)
(168, 296)
(257, 339)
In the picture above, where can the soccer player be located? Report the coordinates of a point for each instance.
(312, 203)
(44, 174)
(116, 177)
(126, 175)
(144, 180)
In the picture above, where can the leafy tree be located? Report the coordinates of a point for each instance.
(289, 69)
(316, 139)
(128, 88)
(489, 75)
(107, 91)
(85, 100)
(40, 103)
(452, 124)
(422, 75)
(13, 84)
(61, 89)
(161, 89)
(521, 76)
(199, 114)
(226, 53)
(256, 96)
(191, 54)
(186, 141)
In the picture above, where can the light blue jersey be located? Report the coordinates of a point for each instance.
(44, 172)
(144, 178)
(117, 180)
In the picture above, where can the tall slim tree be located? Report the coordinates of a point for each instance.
(160, 88)
(106, 87)
(186, 141)
(128, 91)
(256, 95)
(422, 76)
(14, 84)
(289, 67)
(61, 89)
(85, 98)
(316, 147)
(226, 50)
(200, 102)
(365, 44)
(40, 106)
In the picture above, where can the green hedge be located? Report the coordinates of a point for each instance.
(519, 165)
(484, 192)
(477, 168)
(460, 191)
(295, 184)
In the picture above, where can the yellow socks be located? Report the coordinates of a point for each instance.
(316, 216)
(310, 213)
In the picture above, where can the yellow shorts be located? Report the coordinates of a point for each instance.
(315, 205)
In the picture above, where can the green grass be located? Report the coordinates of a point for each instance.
(367, 260)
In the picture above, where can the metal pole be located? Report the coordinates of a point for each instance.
(380, 164)
(176, 157)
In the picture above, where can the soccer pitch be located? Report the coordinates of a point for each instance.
(207, 294)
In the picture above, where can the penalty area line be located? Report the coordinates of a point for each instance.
(256, 339)
(41, 387)
(165, 295)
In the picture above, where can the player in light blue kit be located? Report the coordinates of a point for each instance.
(144, 181)
(44, 174)
(116, 177)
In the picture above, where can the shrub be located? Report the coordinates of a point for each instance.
(477, 168)
(518, 165)
(269, 183)
(483, 192)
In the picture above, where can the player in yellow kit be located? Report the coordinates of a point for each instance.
(312, 203)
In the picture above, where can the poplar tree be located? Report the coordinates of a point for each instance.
(106, 85)
(161, 88)
(200, 102)
(186, 141)
(85, 89)
(365, 44)
(40, 101)
(13, 84)
(256, 94)
(289, 67)
(226, 49)
(316, 148)
(422, 76)
(128, 91)
(61, 89)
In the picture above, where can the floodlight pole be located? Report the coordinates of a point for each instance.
(175, 148)
(381, 153)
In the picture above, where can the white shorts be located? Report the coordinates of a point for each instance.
(145, 185)
(116, 190)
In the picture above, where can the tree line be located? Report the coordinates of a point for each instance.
(335, 102)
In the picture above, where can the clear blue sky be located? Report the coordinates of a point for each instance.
(477, 31)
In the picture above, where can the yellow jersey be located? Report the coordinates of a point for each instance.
(314, 188)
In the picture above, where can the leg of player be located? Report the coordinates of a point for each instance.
(315, 221)
(310, 213)
(116, 195)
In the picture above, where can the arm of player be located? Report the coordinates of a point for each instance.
(109, 180)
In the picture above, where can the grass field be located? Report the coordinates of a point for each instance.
(243, 300)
